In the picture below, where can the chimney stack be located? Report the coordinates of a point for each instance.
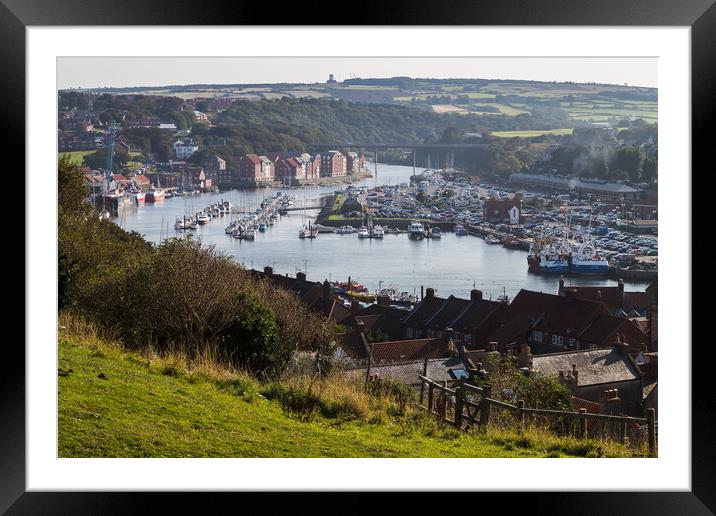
(621, 344)
(620, 293)
(326, 289)
(301, 276)
(476, 295)
(575, 373)
(268, 271)
(524, 359)
(561, 285)
(429, 293)
(612, 402)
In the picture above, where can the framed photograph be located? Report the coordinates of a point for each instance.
(415, 250)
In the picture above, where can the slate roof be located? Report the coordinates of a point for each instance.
(407, 350)
(423, 311)
(475, 314)
(446, 312)
(594, 366)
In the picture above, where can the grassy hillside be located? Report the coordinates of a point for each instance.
(116, 403)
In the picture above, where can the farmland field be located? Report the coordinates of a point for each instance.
(531, 134)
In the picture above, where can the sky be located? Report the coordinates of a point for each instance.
(117, 72)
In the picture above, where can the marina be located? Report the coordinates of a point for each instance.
(454, 264)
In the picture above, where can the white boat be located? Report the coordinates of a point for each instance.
(460, 230)
(363, 232)
(203, 218)
(435, 232)
(492, 240)
(378, 232)
(180, 224)
(416, 231)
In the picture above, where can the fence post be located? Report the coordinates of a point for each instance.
(582, 423)
(651, 426)
(485, 407)
(459, 394)
(521, 406)
(431, 387)
(422, 390)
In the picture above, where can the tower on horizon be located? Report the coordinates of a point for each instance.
(331, 79)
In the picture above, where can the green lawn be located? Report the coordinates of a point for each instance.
(118, 404)
(76, 156)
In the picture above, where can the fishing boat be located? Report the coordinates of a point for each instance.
(460, 230)
(378, 232)
(155, 194)
(587, 260)
(553, 260)
(416, 231)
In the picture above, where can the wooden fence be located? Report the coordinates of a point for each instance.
(464, 405)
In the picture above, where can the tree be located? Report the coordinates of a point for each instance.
(71, 189)
(650, 171)
(630, 160)
(451, 135)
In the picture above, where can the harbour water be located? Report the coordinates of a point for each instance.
(450, 265)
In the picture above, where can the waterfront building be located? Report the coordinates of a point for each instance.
(254, 169)
(333, 164)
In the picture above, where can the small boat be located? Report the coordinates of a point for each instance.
(460, 230)
(192, 224)
(139, 197)
(361, 296)
(378, 232)
(262, 227)
(230, 228)
(104, 215)
(492, 240)
(435, 232)
(416, 231)
(363, 232)
(180, 224)
(203, 218)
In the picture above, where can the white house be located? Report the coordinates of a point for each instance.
(514, 214)
(184, 147)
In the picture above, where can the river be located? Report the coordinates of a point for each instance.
(450, 265)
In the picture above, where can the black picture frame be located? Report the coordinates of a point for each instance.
(700, 15)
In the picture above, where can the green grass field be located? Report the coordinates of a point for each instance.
(76, 156)
(531, 134)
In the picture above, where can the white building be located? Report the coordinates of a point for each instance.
(183, 148)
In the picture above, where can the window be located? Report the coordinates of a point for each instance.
(557, 340)
(537, 336)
